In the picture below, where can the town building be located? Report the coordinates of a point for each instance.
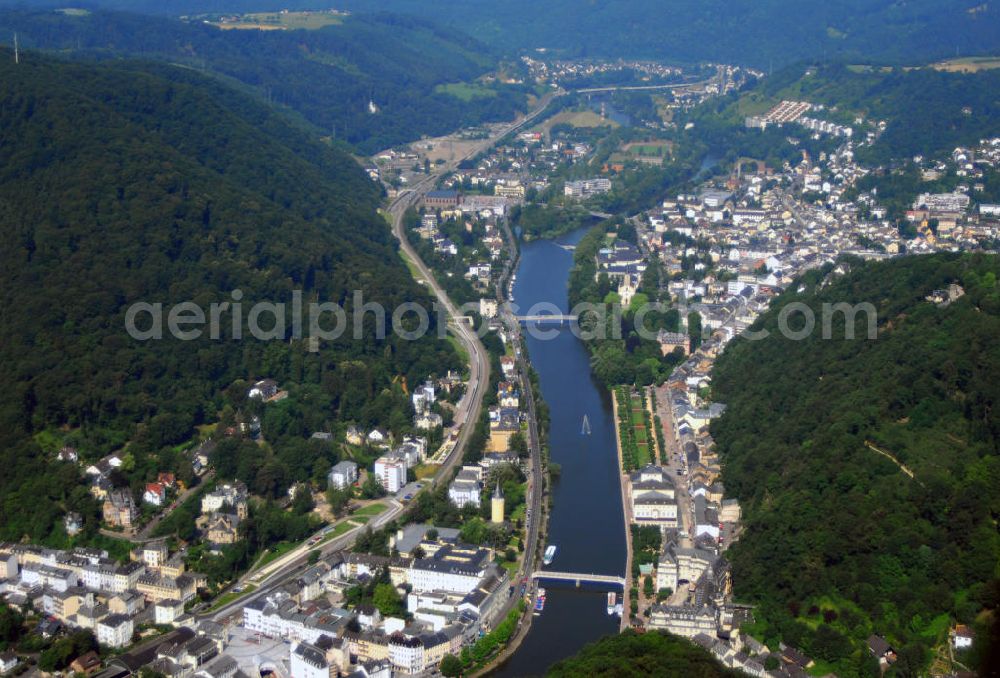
(391, 472)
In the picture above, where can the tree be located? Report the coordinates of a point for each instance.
(303, 501)
(648, 588)
(474, 531)
(387, 600)
(451, 666)
(372, 487)
(338, 500)
(11, 625)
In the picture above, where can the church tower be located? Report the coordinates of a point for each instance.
(496, 505)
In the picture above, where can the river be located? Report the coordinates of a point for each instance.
(586, 522)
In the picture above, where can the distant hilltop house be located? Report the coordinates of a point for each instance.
(946, 296)
(265, 389)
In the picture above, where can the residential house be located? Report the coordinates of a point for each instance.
(428, 421)
(119, 509)
(223, 528)
(355, 436)
(343, 474)
(265, 389)
(86, 664)
(465, 489)
(504, 423)
(115, 630)
(155, 494)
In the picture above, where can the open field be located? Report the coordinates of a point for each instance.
(586, 118)
(280, 21)
(466, 91)
(653, 147)
(444, 148)
(370, 510)
(967, 64)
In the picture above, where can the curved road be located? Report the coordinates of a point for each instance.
(467, 413)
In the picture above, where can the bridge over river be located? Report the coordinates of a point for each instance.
(579, 577)
(548, 318)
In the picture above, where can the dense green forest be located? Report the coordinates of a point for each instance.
(648, 654)
(142, 182)
(326, 75)
(925, 109)
(683, 30)
(868, 469)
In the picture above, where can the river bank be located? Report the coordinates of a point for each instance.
(626, 504)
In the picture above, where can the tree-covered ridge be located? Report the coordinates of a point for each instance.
(759, 32)
(327, 75)
(133, 182)
(820, 438)
(648, 654)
